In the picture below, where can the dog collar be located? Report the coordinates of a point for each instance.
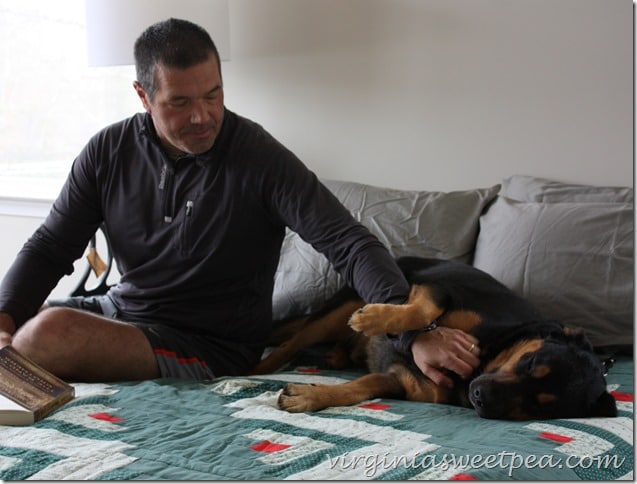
(433, 325)
(430, 327)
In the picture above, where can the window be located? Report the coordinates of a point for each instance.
(51, 102)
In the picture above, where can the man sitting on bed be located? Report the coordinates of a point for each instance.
(195, 200)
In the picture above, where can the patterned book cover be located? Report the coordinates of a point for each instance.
(31, 386)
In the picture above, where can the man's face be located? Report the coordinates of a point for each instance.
(187, 109)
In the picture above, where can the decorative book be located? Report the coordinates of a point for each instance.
(28, 392)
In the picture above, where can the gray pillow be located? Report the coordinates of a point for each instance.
(533, 189)
(573, 260)
(418, 223)
(304, 279)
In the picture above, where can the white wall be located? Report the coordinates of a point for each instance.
(440, 94)
(432, 94)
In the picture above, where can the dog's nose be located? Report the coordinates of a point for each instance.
(475, 397)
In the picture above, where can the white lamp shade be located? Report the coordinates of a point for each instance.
(112, 26)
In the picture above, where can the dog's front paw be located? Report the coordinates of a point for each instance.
(297, 398)
(369, 320)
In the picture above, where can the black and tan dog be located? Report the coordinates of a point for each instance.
(531, 368)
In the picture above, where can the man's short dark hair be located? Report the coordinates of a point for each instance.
(173, 43)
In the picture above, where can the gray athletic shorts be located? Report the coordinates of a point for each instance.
(179, 354)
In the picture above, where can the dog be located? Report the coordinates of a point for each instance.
(530, 367)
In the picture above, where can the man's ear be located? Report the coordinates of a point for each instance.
(143, 96)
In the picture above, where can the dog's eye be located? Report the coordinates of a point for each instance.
(526, 363)
(530, 365)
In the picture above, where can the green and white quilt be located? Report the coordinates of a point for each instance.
(230, 428)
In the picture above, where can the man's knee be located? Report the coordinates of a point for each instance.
(49, 324)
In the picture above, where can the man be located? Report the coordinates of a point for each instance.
(195, 200)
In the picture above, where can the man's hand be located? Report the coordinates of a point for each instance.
(445, 349)
(7, 328)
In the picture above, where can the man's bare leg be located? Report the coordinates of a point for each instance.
(80, 346)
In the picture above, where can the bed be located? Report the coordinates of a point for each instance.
(230, 428)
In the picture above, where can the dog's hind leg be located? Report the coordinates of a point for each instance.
(310, 398)
(399, 382)
(330, 327)
(419, 388)
(420, 310)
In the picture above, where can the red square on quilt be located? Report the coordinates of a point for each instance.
(269, 447)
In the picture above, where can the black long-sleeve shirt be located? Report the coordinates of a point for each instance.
(197, 240)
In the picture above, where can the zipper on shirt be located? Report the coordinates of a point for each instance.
(165, 185)
(187, 227)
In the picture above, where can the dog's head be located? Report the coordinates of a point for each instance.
(554, 377)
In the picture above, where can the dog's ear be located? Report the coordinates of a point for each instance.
(605, 406)
(577, 336)
(572, 331)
